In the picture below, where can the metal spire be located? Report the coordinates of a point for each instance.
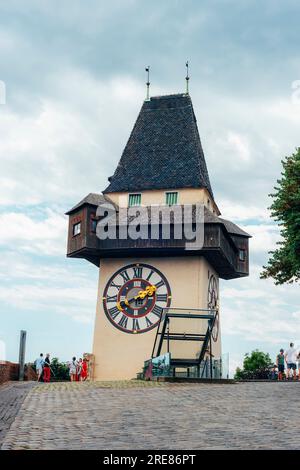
(187, 77)
(148, 82)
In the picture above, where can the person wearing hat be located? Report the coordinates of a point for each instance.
(280, 364)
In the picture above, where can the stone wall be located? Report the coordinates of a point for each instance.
(29, 373)
(8, 371)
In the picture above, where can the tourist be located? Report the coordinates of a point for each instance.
(290, 358)
(79, 370)
(47, 368)
(39, 363)
(84, 372)
(280, 364)
(73, 369)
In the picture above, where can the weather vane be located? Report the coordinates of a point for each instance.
(187, 77)
(148, 82)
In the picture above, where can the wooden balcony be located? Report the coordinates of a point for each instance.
(221, 248)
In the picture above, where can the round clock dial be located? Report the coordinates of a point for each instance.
(135, 296)
(212, 302)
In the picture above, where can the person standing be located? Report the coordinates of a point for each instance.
(47, 368)
(280, 364)
(291, 358)
(73, 369)
(79, 370)
(84, 372)
(39, 363)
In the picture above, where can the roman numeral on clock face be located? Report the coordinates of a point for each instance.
(125, 276)
(150, 274)
(135, 324)
(112, 298)
(162, 297)
(123, 322)
(138, 271)
(148, 322)
(157, 310)
(113, 312)
(159, 284)
(118, 286)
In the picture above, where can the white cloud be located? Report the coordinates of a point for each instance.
(66, 146)
(30, 286)
(240, 145)
(22, 233)
(256, 310)
(264, 237)
(242, 213)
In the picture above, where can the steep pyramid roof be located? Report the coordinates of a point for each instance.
(164, 149)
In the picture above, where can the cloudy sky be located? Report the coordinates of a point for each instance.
(74, 76)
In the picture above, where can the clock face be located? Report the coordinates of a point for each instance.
(212, 302)
(135, 296)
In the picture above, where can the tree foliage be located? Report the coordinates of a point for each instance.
(284, 263)
(60, 370)
(255, 366)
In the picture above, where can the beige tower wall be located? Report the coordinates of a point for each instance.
(158, 196)
(120, 355)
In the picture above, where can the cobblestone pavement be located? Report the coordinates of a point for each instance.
(166, 416)
(12, 395)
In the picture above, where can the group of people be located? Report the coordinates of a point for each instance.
(78, 370)
(289, 358)
(43, 368)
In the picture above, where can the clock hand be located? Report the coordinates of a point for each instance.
(149, 291)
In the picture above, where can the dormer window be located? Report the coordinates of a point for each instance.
(171, 198)
(76, 229)
(135, 200)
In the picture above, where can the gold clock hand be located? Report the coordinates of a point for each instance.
(149, 291)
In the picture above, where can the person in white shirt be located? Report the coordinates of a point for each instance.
(39, 363)
(291, 359)
(73, 369)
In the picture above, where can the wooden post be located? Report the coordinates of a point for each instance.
(22, 354)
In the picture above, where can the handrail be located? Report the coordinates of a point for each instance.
(192, 309)
(169, 313)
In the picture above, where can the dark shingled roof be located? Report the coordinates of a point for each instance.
(92, 198)
(164, 149)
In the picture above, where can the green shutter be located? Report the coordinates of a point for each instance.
(171, 198)
(135, 200)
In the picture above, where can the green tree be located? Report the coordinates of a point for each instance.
(255, 366)
(284, 264)
(59, 370)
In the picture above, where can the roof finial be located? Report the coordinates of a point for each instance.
(187, 77)
(148, 82)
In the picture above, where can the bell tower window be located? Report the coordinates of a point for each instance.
(135, 200)
(171, 198)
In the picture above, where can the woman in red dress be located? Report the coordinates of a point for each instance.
(84, 370)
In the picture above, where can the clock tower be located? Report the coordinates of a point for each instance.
(147, 263)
